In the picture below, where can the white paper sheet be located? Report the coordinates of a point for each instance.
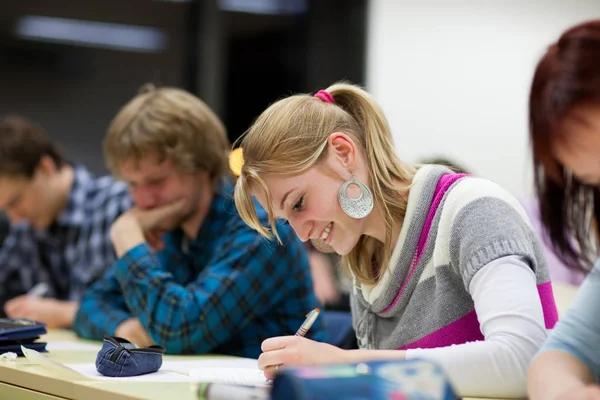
(241, 371)
(185, 366)
(236, 376)
(90, 371)
(72, 346)
(39, 358)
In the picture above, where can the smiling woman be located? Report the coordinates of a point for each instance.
(445, 266)
(385, 173)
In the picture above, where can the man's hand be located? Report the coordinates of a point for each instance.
(54, 313)
(133, 331)
(138, 226)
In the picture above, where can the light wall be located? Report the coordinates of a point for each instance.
(453, 77)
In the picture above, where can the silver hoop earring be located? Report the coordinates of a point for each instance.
(359, 207)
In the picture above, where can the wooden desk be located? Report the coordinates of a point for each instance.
(25, 380)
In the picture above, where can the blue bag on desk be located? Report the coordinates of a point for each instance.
(402, 380)
(15, 332)
(119, 357)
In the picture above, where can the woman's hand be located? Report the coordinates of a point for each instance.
(296, 350)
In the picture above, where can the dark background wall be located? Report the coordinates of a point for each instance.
(237, 61)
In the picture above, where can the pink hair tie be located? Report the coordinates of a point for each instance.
(324, 95)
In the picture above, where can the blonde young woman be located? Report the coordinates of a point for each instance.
(445, 266)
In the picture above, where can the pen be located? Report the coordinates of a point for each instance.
(311, 317)
(39, 290)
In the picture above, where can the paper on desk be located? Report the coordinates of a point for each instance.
(186, 366)
(41, 359)
(67, 345)
(90, 371)
(219, 370)
(235, 376)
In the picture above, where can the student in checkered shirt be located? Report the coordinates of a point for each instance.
(191, 275)
(60, 217)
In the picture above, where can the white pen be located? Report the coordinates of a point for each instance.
(311, 317)
(39, 290)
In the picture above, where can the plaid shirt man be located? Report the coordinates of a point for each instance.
(223, 292)
(74, 251)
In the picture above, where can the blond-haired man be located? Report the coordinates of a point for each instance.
(191, 275)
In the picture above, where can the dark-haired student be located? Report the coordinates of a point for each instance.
(564, 110)
(60, 216)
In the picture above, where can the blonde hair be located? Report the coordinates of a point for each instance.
(291, 136)
(173, 124)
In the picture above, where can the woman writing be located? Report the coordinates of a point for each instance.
(445, 266)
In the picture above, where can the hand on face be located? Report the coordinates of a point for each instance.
(55, 313)
(158, 217)
(136, 226)
(296, 350)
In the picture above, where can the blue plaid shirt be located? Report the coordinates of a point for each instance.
(223, 292)
(74, 251)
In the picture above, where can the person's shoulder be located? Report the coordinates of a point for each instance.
(235, 225)
(472, 187)
(261, 214)
(93, 183)
(478, 210)
(103, 191)
(284, 230)
(477, 193)
(107, 185)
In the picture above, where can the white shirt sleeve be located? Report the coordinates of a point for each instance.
(511, 319)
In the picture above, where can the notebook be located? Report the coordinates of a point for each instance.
(20, 328)
(17, 332)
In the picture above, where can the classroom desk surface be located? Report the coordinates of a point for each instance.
(41, 382)
(26, 380)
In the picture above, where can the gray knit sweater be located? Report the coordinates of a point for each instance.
(454, 225)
